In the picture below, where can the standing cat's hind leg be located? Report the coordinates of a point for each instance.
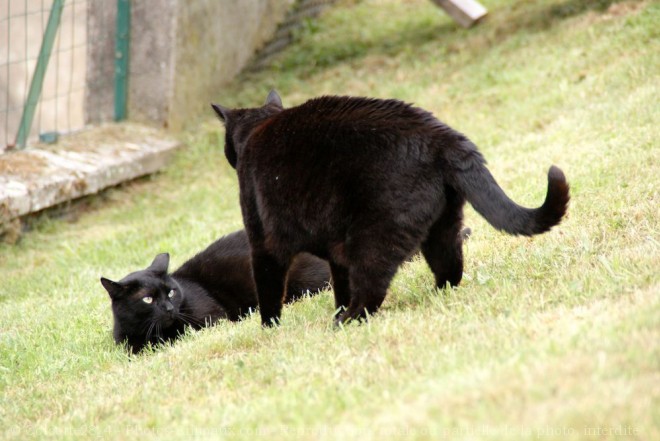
(443, 247)
(368, 288)
(340, 287)
(374, 255)
(269, 277)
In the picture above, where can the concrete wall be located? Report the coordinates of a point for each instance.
(214, 41)
(182, 52)
(152, 58)
(99, 92)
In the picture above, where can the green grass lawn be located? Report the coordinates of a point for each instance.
(552, 338)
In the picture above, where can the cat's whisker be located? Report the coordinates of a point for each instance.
(145, 326)
(150, 330)
(190, 319)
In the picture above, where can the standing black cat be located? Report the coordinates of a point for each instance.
(151, 306)
(363, 183)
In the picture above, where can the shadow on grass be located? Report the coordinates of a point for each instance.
(542, 17)
(326, 53)
(311, 55)
(571, 8)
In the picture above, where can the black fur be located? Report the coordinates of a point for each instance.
(363, 183)
(215, 284)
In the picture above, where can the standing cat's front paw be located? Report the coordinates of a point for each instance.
(338, 312)
(270, 322)
(358, 314)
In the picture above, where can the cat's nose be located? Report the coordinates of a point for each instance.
(169, 307)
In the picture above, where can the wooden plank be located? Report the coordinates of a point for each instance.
(467, 13)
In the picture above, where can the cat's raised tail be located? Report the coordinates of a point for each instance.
(478, 186)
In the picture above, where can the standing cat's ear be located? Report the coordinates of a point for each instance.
(274, 98)
(160, 264)
(222, 112)
(114, 289)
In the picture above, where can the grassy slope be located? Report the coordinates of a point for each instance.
(545, 337)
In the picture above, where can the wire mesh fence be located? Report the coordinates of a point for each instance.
(23, 25)
(65, 63)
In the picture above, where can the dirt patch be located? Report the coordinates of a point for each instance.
(21, 164)
(24, 164)
(618, 10)
(90, 140)
(625, 8)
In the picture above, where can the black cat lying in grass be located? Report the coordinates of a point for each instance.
(152, 306)
(363, 183)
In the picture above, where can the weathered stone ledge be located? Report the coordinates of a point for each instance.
(79, 165)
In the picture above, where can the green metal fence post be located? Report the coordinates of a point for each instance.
(39, 73)
(122, 39)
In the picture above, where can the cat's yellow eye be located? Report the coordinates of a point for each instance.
(171, 294)
(147, 299)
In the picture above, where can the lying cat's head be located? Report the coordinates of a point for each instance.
(240, 122)
(145, 304)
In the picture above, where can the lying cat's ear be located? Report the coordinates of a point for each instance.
(114, 289)
(274, 98)
(160, 264)
(222, 112)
